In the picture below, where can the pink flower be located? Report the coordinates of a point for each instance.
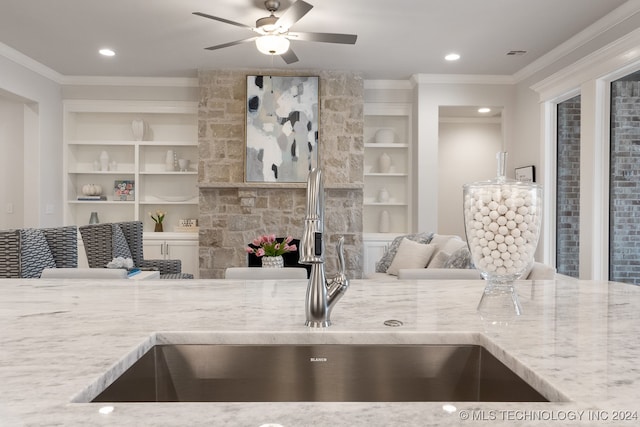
(268, 245)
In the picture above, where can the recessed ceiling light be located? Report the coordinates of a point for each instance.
(452, 57)
(106, 52)
(484, 110)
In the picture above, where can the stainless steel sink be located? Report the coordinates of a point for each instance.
(318, 373)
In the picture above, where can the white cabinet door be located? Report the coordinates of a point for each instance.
(187, 252)
(174, 246)
(154, 249)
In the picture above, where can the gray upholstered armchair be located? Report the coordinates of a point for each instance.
(28, 251)
(104, 242)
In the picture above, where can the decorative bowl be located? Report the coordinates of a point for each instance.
(384, 136)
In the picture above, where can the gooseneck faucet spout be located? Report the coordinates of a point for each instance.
(322, 294)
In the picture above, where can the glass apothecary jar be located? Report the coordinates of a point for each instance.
(502, 225)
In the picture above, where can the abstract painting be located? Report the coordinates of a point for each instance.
(282, 128)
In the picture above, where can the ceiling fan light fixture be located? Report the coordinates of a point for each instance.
(272, 44)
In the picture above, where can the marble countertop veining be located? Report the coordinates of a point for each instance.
(576, 341)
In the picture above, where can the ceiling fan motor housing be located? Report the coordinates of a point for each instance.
(272, 5)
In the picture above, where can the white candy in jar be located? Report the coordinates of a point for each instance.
(503, 219)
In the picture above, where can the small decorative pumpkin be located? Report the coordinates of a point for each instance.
(91, 190)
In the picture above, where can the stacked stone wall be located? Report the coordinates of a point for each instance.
(233, 213)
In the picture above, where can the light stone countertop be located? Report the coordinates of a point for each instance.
(576, 340)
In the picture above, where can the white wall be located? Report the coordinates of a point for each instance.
(466, 153)
(428, 97)
(42, 142)
(11, 163)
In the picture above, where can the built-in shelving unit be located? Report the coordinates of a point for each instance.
(92, 128)
(396, 120)
(95, 127)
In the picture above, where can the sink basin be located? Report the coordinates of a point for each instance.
(318, 373)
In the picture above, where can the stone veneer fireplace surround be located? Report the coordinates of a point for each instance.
(234, 212)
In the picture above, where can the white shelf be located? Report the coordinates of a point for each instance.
(388, 174)
(384, 204)
(168, 173)
(382, 145)
(100, 142)
(102, 202)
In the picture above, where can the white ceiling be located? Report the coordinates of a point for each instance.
(396, 39)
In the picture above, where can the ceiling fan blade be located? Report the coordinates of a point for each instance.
(226, 21)
(289, 57)
(324, 37)
(292, 15)
(220, 46)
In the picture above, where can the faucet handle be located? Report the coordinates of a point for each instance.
(340, 251)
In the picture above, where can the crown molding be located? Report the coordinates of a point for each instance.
(619, 15)
(30, 64)
(476, 120)
(48, 73)
(418, 79)
(129, 81)
(619, 57)
(388, 84)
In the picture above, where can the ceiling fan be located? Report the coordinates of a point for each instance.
(273, 33)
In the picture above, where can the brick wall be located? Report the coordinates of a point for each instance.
(232, 212)
(624, 206)
(568, 188)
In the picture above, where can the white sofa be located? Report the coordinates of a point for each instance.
(539, 271)
(430, 256)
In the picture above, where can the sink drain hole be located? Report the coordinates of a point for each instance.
(393, 323)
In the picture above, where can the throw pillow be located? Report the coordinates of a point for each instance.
(460, 259)
(390, 252)
(439, 260)
(410, 254)
(120, 245)
(35, 254)
(447, 243)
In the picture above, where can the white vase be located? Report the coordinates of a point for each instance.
(384, 163)
(137, 127)
(104, 161)
(383, 226)
(169, 161)
(183, 164)
(272, 262)
(383, 195)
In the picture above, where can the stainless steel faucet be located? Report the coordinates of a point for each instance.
(322, 294)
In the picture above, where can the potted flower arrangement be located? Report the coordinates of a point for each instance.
(158, 218)
(271, 250)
